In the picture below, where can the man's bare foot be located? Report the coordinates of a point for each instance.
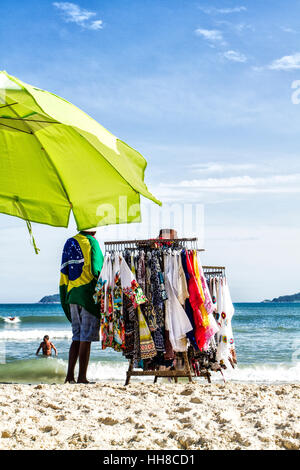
(70, 380)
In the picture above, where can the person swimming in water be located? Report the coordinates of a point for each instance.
(46, 347)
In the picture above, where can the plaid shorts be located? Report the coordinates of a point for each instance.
(85, 326)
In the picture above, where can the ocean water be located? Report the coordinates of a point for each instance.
(266, 335)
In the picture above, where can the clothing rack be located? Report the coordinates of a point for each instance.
(155, 243)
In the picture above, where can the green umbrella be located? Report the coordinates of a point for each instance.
(54, 158)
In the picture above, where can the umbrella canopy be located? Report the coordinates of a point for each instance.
(54, 158)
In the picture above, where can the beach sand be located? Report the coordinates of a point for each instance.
(150, 416)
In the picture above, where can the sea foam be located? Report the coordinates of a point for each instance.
(29, 335)
(50, 370)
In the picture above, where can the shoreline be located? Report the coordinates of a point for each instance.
(52, 370)
(120, 381)
(148, 416)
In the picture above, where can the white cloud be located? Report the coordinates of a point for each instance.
(241, 181)
(288, 30)
(75, 14)
(223, 11)
(208, 189)
(287, 62)
(212, 35)
(98, 24)
(235, 56)
(212, 167)
(238, 28)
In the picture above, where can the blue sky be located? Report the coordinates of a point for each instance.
(203, 89)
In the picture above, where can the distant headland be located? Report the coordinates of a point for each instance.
(50, 299)
(285, 298)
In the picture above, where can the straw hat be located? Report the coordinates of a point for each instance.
(168, 233)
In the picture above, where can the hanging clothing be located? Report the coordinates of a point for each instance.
(147, 346)
(158, 297)
(169, 353)
(129, 284)
(103, 296)
(182, 288)
(187, 306)
(225, 341)
(141, 272)
(213, 291)
(212, 327)
(196, 301)
(157, 281)
(155, 302)
(132, 333)
(204, 314)
(208, 300)
(116, 280)
(144, 279)
(177, 322)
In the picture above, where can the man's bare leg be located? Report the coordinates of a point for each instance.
(73, 356)
(84, 356)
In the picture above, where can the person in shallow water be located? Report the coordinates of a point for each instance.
(81, 265)
(46, 346)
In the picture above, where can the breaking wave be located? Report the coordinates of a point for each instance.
(30, 335)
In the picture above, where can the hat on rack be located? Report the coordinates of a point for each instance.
(168, 233)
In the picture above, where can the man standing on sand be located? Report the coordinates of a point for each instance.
(82, 262)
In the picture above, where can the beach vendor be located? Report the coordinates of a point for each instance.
(46, 346)
(82, 262)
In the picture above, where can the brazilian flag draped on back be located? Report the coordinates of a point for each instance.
(81, 265)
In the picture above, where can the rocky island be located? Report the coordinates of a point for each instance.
(50, 299)
(285, 298)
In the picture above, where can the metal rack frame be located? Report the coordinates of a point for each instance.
(152, 243)
(214, 270)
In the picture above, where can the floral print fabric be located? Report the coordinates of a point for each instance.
(115, 281)
(156, 302)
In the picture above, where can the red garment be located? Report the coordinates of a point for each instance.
(195, 301)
